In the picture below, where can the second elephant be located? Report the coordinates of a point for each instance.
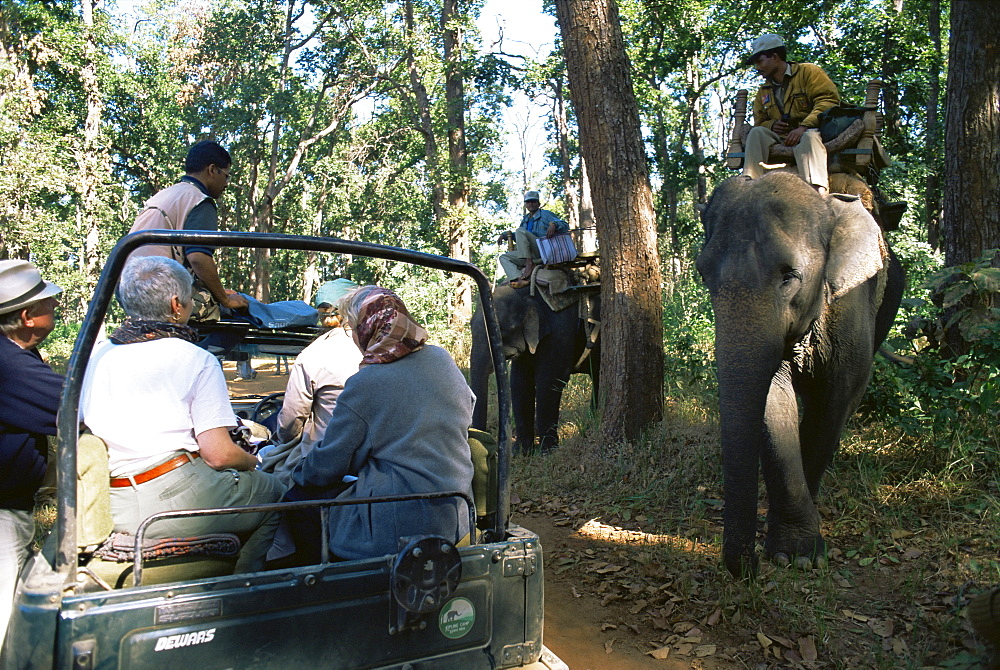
(544, 348)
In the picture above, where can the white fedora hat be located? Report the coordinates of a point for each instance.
(21, 285)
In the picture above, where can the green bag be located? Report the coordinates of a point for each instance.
(834, 121)
(484, 478)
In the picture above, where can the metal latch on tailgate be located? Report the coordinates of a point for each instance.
(517, 654)
(520, 560)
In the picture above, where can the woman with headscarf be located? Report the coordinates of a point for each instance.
(400, 426)
(160, 403)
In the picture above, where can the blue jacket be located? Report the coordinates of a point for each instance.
(29, 399)
(399, 427)
(538, 223)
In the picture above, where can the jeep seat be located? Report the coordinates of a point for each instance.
(95, 525)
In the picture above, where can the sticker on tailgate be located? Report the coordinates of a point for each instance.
(457, 618)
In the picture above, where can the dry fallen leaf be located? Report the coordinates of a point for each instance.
(704, 650)
(783, 641)
(685, 648)
(684, 626)
(660, 623)
(881, 628)
(609, 568)
(714, 617)
(639, 606)
(660, 653)
(764, 640)
(609, 598)
(854, 615)
(608, 644)
(576, 594)
(608, 626)
(807, 648)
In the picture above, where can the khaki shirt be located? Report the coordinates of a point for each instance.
(808, 91)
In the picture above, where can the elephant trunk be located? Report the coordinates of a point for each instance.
(746, 364)
(480, 369)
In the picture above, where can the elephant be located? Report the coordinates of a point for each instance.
(804, 288)
(544, 348)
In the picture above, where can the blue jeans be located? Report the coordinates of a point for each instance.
(17, 528)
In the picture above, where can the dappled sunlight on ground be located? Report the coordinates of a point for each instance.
(597, 530)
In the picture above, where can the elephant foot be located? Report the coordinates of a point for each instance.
(740, 559)
(803, 553)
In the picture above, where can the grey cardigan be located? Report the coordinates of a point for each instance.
(399, 427)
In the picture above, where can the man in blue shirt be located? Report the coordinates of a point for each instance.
(190, 205)
(29, 399)
(519, 263)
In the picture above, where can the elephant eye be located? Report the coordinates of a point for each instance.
(790, 276)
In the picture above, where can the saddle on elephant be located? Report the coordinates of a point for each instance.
(855, 156)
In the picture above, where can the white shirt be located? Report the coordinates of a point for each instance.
(150, 399)
(316, 379)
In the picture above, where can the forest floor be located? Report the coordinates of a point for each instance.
(633, 535)
(631, 540)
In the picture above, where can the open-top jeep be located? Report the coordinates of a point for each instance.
(431, 605)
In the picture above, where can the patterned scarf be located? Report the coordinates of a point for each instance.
(131, 331)
(385, 331)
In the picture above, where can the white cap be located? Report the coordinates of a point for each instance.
(21, 285)
(765, 42)
(531, 195)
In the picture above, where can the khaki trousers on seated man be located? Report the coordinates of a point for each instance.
(809, 153)
(525, 248)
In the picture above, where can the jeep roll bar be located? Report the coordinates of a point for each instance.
(68, 424)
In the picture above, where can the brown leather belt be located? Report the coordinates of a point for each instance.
(153, 473)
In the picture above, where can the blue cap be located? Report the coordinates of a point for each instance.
(332, 291)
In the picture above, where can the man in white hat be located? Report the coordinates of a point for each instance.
(787, 109)
(29, 398)
(519, 263)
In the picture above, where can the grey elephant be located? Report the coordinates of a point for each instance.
(545, 347)
(804, 289)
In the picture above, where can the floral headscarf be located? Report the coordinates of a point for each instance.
(384, 329)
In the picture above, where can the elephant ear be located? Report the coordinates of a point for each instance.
(532, 328)
(855, 253)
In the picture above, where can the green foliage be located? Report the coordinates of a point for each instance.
(688, 335)
(947, 399)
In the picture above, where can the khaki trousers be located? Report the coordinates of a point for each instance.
(525, 247)
(197, 486)
(809, 153)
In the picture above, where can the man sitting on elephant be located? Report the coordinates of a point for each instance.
(787, 109)
(519, 263)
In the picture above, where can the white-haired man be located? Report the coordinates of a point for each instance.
(29, 399)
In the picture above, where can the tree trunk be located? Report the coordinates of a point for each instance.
(611, 142)
(932, 186)
(972, 132)
(565, 163)
(694, 128)
(93, 159)
(456, 223)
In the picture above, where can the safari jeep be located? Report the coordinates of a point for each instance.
(431, 605)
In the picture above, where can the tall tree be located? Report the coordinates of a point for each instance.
(611, 143)
(972, 133)
(932, 184)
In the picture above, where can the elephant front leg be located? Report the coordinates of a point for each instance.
(793, 532)
(522, 393)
